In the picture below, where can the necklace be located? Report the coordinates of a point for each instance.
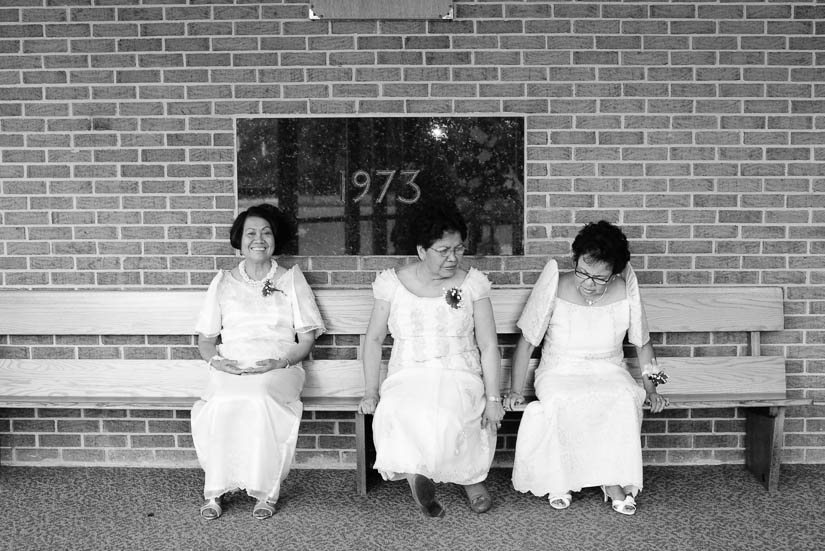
(249, 281)
(591, 301)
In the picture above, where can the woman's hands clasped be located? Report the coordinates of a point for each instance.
(263, 366)
(512, 399)
(233, 367)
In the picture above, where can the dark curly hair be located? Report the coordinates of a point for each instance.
(434, 220)
(604, 242)
(282, 226)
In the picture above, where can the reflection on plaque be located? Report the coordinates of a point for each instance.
(352, 183)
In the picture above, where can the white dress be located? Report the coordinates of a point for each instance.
(428, 420)
(245, 428)
(585, 428)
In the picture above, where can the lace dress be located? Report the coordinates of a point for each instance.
(428, 420)
(585, 428)
(245, 428)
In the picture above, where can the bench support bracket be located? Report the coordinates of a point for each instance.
(365, 450)
(764, 429)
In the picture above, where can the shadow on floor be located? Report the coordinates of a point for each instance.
(682, 508)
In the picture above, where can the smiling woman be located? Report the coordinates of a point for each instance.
(257, 323)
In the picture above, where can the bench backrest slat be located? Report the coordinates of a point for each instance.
(669, 309)
(692, 309)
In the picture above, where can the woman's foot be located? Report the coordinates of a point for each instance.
(480, 500)
(263, 509)
(561, 501)
(211, 509)
(622, 503)
(423, 492)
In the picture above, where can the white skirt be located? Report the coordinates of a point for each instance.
(245, 429)
(428, 422)
(584, 430)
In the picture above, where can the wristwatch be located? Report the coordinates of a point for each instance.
(216, 357)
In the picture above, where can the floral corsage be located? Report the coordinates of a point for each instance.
(453, 297)
(655, 373)
(269, 289)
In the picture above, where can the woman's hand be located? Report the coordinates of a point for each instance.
(512, 400)
(493, 414)
(657, 401)
(227, 366)
(269, 364)
(368, 403)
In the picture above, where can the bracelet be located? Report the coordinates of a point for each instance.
(216, 357)
(493, 399)
(288, 365)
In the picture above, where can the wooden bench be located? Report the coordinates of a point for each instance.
(748, 380)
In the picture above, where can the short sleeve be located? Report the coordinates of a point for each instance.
(638, 333)
(535, 318)
(209, 318)
(305, 314)
(385, 284)
(478, 284)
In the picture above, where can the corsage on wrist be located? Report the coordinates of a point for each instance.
(655, 373)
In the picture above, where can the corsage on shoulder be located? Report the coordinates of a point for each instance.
(655, 373)
(453, 297)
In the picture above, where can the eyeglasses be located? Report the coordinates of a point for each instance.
(458, 250)
(596, 279)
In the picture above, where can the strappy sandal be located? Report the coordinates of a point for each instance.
(561, 501)
(263, 509)
(423, 492)
(480, 500)
(211, 510)
(626, 506)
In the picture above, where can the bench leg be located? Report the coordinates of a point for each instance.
(365, 451)
(764, 428)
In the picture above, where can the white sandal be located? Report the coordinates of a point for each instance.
(561, 501)
(211, 509)
(626, 506)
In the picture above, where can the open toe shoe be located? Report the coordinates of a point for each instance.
(211, 510)
(626, 506)
(561, 501)
(263, 509)
(479, 497)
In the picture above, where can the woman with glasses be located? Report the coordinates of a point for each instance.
(584, 429)
(437, 411)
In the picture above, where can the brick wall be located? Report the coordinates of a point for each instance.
(694, 125)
